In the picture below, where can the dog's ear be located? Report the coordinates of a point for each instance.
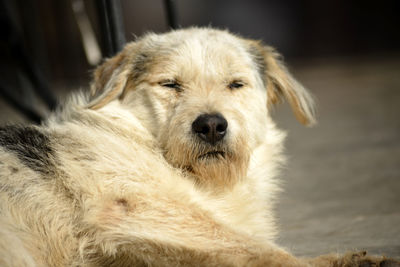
(281, 84)
(109, 80)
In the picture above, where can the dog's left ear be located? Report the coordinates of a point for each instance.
(281, 84)
(109, 80)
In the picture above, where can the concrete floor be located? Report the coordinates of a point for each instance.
(342, 183)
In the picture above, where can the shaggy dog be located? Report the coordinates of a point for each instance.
(170, 161)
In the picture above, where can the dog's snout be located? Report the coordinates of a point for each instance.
(210, 127)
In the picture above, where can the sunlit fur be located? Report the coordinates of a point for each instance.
(126, 181)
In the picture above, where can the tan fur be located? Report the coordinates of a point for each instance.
(123, 183)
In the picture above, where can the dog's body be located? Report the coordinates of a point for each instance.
(170, 161)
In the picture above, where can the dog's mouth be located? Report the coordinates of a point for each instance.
(212, 155)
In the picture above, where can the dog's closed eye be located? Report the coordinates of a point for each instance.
(171, 84)
(236, 85)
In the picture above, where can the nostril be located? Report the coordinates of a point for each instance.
(200, 125)
(221, 127)
(204, 130)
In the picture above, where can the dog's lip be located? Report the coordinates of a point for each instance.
(212, 154)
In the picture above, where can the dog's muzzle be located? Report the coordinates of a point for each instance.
(210, 128)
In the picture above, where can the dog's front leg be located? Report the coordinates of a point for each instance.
(167, 229)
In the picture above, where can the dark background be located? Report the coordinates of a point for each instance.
(300, 30)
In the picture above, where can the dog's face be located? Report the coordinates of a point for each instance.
(203, 94)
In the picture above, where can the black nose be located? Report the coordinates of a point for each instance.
(210, 127)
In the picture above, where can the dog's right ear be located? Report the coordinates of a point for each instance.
(109, 80)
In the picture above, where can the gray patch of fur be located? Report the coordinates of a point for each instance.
(30, 145)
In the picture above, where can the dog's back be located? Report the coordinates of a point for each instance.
(47, 174)
(30, 207)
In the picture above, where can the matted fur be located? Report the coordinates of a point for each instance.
(118, 178)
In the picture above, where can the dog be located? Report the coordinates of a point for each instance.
(170, 160)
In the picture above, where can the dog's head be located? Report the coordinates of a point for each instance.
(204, 95)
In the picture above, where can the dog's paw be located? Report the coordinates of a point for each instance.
(363, 260)
(389, 263)
(359, 259)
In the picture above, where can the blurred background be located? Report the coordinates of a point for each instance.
(342, 186)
